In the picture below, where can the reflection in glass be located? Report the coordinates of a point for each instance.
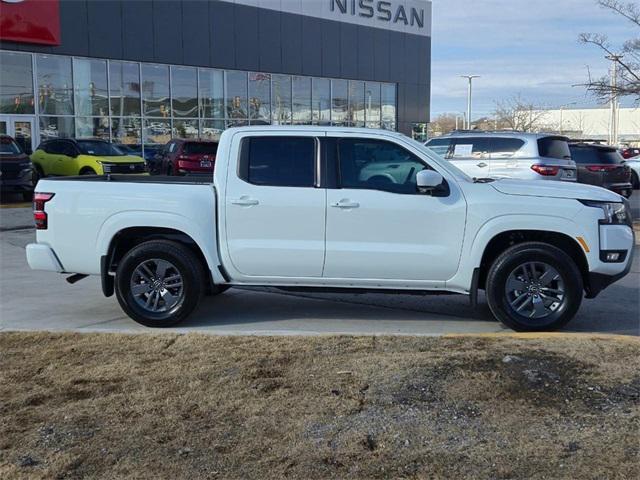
(260, 98)
(155, 90)
(236, 96)
(301, 92)
(356, 103)
(339, 102)
(55, 94)
(185, 129)
(16, 83)
(212, 129)
(56, 127)
(156, 131)
(211, 93)
(124, 86)
(321, 101)
(126, 131)
(90, 86)
(388, 106)
(372, 104)
(92, 127)
(281, 98)
(184, 91)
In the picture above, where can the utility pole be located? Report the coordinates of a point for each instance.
(562, 107)
(613, 129)
(469, 93)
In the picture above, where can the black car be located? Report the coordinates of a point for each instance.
(16, 170)
(602, 166)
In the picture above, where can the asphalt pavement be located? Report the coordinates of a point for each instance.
(32, 300)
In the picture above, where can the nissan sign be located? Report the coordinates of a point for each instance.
(30, 21)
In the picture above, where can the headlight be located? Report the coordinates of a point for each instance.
(614, 213)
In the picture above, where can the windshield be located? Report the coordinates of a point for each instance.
(207, 148)
(99, 148)
(450, 167)
(8, 146)
(594, 155)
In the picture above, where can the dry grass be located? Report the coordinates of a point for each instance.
(167, 406)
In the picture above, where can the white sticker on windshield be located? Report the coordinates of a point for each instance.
(463, 150)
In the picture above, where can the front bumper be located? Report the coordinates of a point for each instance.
(42, 257)
(613, 238)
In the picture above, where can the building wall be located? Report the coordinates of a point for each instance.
(594, 123)
(226, 34)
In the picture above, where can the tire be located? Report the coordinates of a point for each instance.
(544, 261)
(635, 180)
(87, 171)
(173, 304)
(169, 170)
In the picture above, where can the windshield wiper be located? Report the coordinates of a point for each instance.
(483, 180)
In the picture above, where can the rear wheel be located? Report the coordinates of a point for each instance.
(534, 287)
(159, 283)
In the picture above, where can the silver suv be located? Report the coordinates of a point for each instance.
(526, 156)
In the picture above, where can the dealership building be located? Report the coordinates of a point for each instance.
(143, 71)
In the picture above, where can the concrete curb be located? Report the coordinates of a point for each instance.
(548, 336)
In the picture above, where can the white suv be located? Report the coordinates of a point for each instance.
(526, 156)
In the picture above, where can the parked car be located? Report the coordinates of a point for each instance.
(602, 166)
(183, 157)
(526, 156)
(630, 152)
(16, 170)
(65, 156)
(284, 212)
(634, 165)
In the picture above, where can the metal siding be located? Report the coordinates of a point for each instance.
(411, 102)
(424, 61)
(223, 49)
(424, 93)
(74, 30)
(167, 32)
(137, 27)
(246, 38)
(382, 54)
(401, 95)
(397, 57)
(366, 53)
(311, 46)
(349, 52)
(330, 49)
(105, 28)
(195, 32)
(269, 41)
(291, 30)
(411, 59)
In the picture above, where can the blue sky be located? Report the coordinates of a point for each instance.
(527, 48)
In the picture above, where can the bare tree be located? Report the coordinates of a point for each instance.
(444, 123)
(518, 114)
(626, 56)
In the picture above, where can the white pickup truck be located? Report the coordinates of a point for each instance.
(334, 209)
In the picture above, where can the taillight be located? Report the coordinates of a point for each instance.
(545, 170)
(39, 215)
(602, 168)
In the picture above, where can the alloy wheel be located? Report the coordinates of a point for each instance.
(157, 285)
(535, 290)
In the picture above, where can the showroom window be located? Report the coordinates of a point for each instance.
(55, 85)
(301, 94)
(372, 98)
(236, 97)
(155, 90)
(124, 88)
(356, 104)
(321, 101)
(16, 84)
(126, 130)
(281, 98)
(185, 129)
(211, 83)
(92, 127)
(184, 92)
(339, 102)
(90, 87)
(388, 106)
(56, 127)
(260, 98)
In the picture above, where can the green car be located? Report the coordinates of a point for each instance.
(65, 156)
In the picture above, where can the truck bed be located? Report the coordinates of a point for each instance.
(123, 178)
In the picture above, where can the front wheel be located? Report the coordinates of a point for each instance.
(534, 287)
(159, 283)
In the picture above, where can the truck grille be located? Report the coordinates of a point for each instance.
(124, 167)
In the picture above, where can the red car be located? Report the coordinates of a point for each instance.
(186, 157)
(628, 153)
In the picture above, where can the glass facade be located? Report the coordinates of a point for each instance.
(142, 103)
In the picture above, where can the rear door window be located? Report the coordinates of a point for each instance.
(278, 161)
(504, 147)
(595, 156)
(554, 147)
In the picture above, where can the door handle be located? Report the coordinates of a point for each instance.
(345, 204)
(482, 164)
(245, 201)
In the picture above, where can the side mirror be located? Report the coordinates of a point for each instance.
(428, 181)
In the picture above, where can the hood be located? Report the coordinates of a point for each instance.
(121, 159)
(555, 189)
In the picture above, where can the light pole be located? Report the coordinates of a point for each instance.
(469, 93)
(613, 130)
(562, 107)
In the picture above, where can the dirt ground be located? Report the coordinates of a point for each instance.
(193, 406)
